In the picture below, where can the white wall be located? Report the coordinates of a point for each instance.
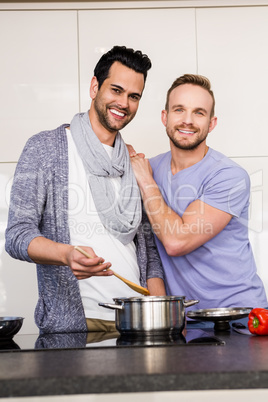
(48, 52)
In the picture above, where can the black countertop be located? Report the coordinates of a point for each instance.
(240, 362)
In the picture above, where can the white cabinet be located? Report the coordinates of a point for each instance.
(232, 52)
(257, 168)
(38, 75)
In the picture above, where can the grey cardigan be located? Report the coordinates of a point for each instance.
(39, 207)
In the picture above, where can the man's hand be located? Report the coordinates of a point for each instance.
(48, 252)
(142, 170)
(132, 152)
(84, 267)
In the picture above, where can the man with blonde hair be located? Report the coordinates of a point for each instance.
(197, 202)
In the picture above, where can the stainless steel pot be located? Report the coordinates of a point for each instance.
(150, 315)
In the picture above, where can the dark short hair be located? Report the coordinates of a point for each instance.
(130, 58)
(193, 79)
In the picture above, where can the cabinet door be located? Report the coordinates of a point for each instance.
(257, 169)
(232, 52)
(167, 36)
(38, 75)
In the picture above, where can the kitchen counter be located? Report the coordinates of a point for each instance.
(239, 362)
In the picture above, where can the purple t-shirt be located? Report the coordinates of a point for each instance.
(222, 272)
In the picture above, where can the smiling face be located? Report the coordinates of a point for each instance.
(116, 102)
(188, 119)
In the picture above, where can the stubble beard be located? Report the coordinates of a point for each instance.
(103, 116)
(185, 146)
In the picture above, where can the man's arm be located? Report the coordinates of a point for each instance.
(156, 287)
(45, 251)
(152, 270)
(179, 235)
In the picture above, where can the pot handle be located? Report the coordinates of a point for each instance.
(188, 303)
(112, 306)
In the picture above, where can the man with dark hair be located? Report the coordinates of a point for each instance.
(197, 202)
(74, 186)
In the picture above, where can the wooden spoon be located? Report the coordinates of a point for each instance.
(132, 285)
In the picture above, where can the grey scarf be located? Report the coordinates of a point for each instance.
(122, 216)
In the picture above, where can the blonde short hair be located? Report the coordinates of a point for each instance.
(193, 79)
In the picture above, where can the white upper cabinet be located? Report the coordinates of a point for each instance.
(38, 75)
(167, 36)
(233, 53)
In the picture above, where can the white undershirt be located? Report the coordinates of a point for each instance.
(86, 229)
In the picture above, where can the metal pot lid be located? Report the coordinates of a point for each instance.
(214, 314)
(148, 299)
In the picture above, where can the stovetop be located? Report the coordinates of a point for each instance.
(105, 340)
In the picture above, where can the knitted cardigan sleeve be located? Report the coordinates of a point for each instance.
(148, 258)
(27, 201)
(38, 207)
(39, 200)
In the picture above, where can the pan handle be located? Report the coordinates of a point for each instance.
(188, 303)
(112, 306)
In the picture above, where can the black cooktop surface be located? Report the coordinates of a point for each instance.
(105, 340)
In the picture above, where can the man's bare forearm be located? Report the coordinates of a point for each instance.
(156, 287)
(45, 251)
(48, 252)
